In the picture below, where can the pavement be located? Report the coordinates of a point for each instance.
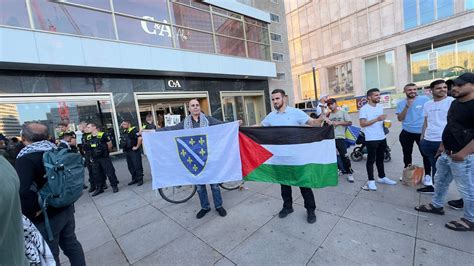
(136, 226)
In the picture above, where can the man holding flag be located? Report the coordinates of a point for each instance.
(195, 120)
(288, 116)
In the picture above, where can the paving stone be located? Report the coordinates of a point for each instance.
(107, 254)
(142, 242)
(397, 218)
(121, 207)
(224, 262)
(431, 228)
(133, 220)
(185, 250)
(366, 244)
(331, 202)
(397, 194)
(284, 241)
(224, 233)
(104, 199)
(432, 254)
(94, 235)
(274, 191)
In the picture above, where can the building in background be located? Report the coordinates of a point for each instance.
(361, 44)
(279, 41)
(109, 60)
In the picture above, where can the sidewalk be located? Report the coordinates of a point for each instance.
(135, 226)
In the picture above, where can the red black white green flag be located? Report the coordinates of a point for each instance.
(289, 155)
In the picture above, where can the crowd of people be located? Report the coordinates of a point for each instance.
(442, 128)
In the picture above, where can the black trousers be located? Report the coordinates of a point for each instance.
(407, 139)
(307, 194)
(104, 166)
(63, 227)
(134, 163)
(375, 154)
(342, 150)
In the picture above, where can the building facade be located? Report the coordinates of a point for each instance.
(361, 44)
(279, 41)
(110, 60)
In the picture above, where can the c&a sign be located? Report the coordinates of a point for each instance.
(160, 29)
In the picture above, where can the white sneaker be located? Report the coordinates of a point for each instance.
(350, 178)
(387, 181)
(427, 180)
(370, 185)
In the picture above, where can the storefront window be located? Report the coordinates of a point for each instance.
(194, 40)
(228, 26)
(230, 46)
(190, 17)
(258, 51)
(380, 71)
(340, 79)
(144, 31)
(466, 55)
(14, 13)
(53, 111)
(104, 4)
(257, 34)
(249, 109)
(57, 17)
(307, 85)
(157, 9)
(446, 60)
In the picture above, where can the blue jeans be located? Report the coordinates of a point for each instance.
(463, 175)
(216, 196)
(429, 148)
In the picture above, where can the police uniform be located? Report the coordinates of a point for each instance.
(148, 126)
(128, 140)
(99, 158)
(85, 150)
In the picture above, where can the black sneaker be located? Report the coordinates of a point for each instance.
(139, 183)
(91, 189)
(201, 213)
(97, 192)
(284, 212)
(311, 217)
(456, 204)
(132, 182)
(427, 190)
(222, 212)
(115, 189)
(85, 186)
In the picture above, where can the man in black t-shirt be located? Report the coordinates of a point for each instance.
(131, 142)
(456, 160)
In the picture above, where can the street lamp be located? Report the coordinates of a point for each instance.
(313, 63)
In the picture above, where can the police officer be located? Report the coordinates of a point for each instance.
(86, 152)
(149, 123)
(63, 129)
(131, 142)
(98, 146)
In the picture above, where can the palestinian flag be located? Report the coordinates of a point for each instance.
(289, 155)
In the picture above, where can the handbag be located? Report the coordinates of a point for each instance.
(412, 175)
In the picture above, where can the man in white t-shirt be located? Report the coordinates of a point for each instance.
(435, 113)
(371, 118)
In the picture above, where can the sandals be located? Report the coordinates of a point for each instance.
(430, 208)
(462, 225)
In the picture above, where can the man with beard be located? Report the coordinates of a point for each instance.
(371, 118)
(435, 114)
(285, 115)
(456, 151)
(410, 113)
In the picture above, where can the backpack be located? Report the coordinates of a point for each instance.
(65, 175)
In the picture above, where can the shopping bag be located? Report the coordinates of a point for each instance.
(412, 175)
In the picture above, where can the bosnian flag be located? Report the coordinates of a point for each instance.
(207, 155)
(289, 155)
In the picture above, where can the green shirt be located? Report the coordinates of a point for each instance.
(12, 240)
(340, 116)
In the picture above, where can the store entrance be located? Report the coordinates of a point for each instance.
(167, 112)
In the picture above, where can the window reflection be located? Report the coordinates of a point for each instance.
(143, 31)
(228, 26)
(157, 9)
(258, 51)
(14, 13)
(68, 19)
(191, 17)
(230, 46)
(194, 40)
(12, 116)
(104, 4)
(340, 79)
(257, 34)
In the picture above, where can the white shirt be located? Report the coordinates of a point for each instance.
(437, 115)
(374, 131)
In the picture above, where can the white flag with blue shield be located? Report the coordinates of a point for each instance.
(206, 155)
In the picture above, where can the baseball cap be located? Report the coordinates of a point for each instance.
(330, 101)
(462, 79)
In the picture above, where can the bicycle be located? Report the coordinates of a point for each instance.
(181, 194)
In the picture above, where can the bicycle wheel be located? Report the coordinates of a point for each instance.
(178, 194)
(356, 156)
(233, 185)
